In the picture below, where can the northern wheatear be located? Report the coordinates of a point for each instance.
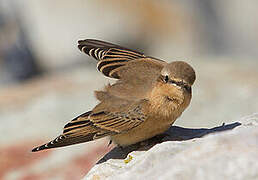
(147, 98)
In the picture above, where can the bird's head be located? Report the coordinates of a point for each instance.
(178, 74)
(173, 88)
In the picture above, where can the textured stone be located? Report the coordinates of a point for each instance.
(222, 154)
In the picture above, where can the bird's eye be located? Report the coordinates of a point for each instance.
(166, 78)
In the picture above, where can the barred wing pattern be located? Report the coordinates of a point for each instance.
(90, 126)
(110, 56)
(68, 139)
(115, 113)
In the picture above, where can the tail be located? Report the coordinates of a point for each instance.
(62, 140)
(79, 130)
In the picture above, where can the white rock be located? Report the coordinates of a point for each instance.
(230, 154)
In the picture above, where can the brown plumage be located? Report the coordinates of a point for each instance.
(147, 98)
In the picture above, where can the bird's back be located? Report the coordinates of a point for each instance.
(137, 78)
(135, 72)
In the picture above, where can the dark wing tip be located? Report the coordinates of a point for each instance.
(82, 45)
(93, 43)
(39, 148)
(52, 144)
(87, 44)
(94, 48)
(35, 149)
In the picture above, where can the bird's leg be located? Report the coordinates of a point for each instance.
(110, 142)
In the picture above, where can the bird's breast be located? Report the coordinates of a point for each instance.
(167, 101)
(161, 111)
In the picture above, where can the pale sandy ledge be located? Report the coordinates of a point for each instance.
(229, 151)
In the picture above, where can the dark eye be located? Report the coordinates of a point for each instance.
(166, 79)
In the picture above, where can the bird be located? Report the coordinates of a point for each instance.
(148, 96)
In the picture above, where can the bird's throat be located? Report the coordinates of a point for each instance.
(166, 101)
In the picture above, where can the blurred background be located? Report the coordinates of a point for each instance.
(45, 80)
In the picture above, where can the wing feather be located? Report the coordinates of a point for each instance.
(120, 108)
(79, 130)
(121, 120)
(110, 56)
(96, 124)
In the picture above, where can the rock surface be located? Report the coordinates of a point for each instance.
(230, 154)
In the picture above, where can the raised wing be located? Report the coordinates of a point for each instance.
(96, 124)
(110, 56)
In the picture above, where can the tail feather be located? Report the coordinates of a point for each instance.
(62, 140)
(74, 133)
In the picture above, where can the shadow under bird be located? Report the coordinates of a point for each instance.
(147, 98)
